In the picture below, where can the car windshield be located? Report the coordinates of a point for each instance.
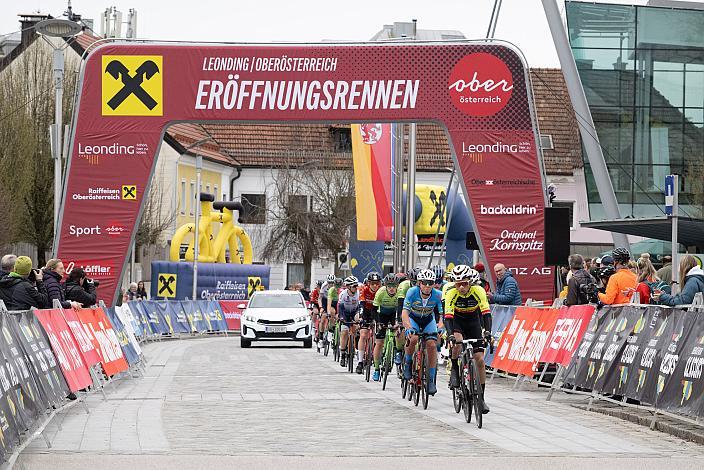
(276, 301)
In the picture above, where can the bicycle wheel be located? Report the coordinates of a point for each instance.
(476, 390)
(404, 388)
(326, 344)
(387, 359)
(350, 353)
(457, 399)
(466, 396)
(424, 379)
(369, 358)
(417, 377)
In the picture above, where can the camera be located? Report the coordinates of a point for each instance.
(590, 291)
(95, 282)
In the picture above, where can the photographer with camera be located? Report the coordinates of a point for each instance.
(81, 289)
(581, 288)
(24, 288)
(53, 274)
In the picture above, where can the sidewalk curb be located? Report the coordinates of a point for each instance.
(663, 424)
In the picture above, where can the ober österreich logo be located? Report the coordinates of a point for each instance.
(480, 84)
(132, 85)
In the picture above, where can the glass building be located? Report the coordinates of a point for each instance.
(642, 69)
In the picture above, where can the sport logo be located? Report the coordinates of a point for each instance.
(480, 84)
(132, 85)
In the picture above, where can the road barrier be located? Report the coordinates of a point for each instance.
(45, 355)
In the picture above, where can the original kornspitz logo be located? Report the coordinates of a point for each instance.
(132, 85)
(480, 84)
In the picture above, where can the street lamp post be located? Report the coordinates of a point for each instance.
(57, 28)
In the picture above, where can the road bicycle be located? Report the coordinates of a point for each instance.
(213, 249)
(351, 341)
(368, 356)
(416, 389)
(469, 395)
(387, 354)
(336, 342)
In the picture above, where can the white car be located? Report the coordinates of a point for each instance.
(276, 315)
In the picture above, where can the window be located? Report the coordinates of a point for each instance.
(546, 142)
(297, 204)
(254, 208)
(341, 139)
(570, 206)
(294, 273)
(183, 201)
(215, 193)
(193, 198)
(207, 188)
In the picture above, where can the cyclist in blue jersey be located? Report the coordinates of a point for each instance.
(422, 310)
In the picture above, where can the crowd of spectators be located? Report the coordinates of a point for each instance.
(23, 286)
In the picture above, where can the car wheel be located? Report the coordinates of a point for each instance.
(245, 343)
(308, 343)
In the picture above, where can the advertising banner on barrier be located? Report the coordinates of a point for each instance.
(71, 361)
(140, 315)
(127, 348)
(164, 313)
(124, 313)
(570, 326)
(501, 315)
(195, 315)
(42, 361)
(179, 318)
(683, 392)
(157, 322)
(81, 337)
(23, 398)
(104, 340)
(212, 315)
(524, 339)
(478, 91)
(232, 310)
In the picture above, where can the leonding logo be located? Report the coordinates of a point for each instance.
(480, 84)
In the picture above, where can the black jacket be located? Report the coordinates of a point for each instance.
(84, 295)
(52, 282)
(18, 293)
(575, 296)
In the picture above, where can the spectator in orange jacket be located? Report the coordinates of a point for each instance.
(623, 283)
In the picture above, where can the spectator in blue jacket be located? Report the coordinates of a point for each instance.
(691, 280)
(507, 291)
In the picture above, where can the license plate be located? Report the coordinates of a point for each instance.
(275, 329)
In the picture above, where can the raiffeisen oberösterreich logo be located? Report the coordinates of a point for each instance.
(480, 84)
(93, 153)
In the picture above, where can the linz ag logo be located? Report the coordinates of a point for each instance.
(132, 85)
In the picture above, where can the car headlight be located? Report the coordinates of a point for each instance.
(303, 318)
(250, 318)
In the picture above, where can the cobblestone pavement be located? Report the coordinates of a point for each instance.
(206, 402)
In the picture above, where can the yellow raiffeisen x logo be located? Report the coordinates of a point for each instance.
(132, 85)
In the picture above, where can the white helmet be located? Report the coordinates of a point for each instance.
(331, 278)
(460, 272)
(426, 275)
(473, 277)
(351, 281)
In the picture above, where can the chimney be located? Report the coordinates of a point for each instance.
(28, 21)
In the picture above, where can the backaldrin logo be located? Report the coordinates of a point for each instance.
(514, 209)
(132, 85)
(480, 84)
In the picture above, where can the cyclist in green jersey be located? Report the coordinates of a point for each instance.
(385, 315)
(333, 295)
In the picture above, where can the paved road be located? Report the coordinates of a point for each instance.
(205, 403)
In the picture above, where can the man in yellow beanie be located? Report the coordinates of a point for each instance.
(19, 292)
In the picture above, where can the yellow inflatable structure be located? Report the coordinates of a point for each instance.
(213, 250)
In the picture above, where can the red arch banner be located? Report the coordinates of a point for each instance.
(130, 92)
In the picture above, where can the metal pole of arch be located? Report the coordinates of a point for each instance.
(196, 235)
(410, 200)
(447, 216)
(397, 133)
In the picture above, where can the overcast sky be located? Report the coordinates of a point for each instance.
(521, 22)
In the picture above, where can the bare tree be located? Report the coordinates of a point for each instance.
(157, 217)
(26, 164)
(314, 228)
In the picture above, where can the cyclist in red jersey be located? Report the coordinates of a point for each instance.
(371, 285)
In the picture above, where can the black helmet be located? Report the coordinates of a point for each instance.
(319, 282)
(412, 274)
(338, 281)
(400, 277)
(373, 276)
(621, 255)
(390, 280)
